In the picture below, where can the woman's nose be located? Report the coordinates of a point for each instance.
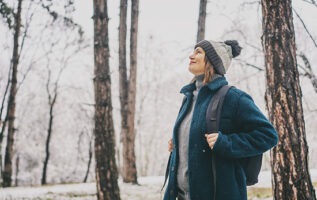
(191, 56)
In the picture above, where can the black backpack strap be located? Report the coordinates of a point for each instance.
(214, 109)
(213, 118)
(167, 171)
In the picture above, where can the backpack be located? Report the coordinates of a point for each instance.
(251, 165)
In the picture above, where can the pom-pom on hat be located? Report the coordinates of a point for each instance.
(220, 54)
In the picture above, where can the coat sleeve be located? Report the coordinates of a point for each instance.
(257, 133)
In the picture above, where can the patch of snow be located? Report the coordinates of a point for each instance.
(149, 188)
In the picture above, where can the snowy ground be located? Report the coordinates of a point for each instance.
(149, 189)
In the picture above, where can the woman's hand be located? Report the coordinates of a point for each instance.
(211, 139)
(170, 145)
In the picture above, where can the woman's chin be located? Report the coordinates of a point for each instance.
(190, 69)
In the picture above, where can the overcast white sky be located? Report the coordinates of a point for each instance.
(177, 19)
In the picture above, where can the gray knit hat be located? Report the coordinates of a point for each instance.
(220, 54)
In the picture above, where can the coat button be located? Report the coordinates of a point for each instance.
(204, 150)
(173, 168)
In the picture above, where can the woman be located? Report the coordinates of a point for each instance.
(243, 131)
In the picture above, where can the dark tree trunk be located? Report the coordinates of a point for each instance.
(106, 168)
(52, 102)
(4, 122)
(128, 90)
(291, 179)
(7, 173)
(201, 20)
(89, 162)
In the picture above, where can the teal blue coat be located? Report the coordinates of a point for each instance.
(244, 131)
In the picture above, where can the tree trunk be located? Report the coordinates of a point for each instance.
(123, 78)
(129, 160)
(201, 20)
(17, 167)
(4, 122)
(106, 168)
(128, 90)
(7, 173)
(89, 161)
(291, 179)
(49, 131)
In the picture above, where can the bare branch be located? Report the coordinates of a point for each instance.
(309, 71)
(5, 93)
(239, 31)
(249, 64)
(27, 26)
(7, 13)
(306, 29)
(251, 3)
(313, 2)
(69, 22)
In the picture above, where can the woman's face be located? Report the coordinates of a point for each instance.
(197, 62)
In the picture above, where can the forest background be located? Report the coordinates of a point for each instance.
(59, 59)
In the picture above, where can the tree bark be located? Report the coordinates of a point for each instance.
(123, 78)
(130, 174)
(7, 173)
(201, 20)
(17, 168)
(106, 168)
(291, 179)
(128, 90)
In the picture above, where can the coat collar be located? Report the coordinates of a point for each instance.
(212, 86)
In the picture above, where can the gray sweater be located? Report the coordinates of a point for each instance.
(183, 140)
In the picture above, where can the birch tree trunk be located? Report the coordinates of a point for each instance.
(7, 173)
(291, 179)
(106, 168)
(201, 20)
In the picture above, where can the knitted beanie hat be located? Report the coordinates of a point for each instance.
(220, 54)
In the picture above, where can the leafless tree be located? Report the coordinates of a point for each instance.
(7, 172)
(106, 168)
(14, 22)
(201, 20)
(128, 90)
(53, 91)
(289, 159)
